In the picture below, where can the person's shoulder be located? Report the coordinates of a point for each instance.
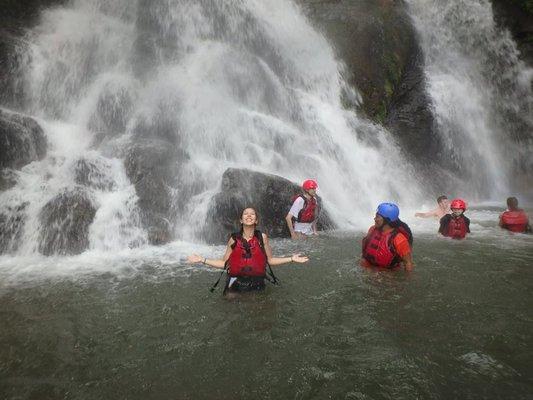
(400, 237)
(445, 217)
(299, 199)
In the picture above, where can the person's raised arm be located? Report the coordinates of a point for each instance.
(212, 262)
(428, 214)
(297, 258)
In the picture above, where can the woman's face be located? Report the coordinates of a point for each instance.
(378, 219)
(249, 217)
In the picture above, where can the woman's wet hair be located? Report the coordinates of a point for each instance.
(440, 198)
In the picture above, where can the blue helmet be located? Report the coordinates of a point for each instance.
(389, 211)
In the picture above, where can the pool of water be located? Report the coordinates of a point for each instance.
(143, 324)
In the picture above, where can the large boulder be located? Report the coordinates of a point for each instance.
(152, 167)
(22, 140)
(65, 222)
(269, 194)
(12, 221)
(93, 174)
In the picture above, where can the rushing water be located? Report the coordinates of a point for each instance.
(224, 83)
(237, 84)
(481, 93)
(459, 326)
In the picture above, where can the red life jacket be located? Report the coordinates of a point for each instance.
(456, 228)
(515, 221)
(309, 211)
(248, 257)
(378, 248)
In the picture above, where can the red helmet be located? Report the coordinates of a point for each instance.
(309, 184)
(458, 203)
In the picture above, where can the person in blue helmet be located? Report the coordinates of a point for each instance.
(388, 242)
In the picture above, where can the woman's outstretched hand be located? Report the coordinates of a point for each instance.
(195, 258)
(298, 258)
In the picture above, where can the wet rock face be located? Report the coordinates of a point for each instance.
(65, 222)
(22, 140)
(91, 174)
(15, 17)
(151, 167)
(12, 221)
(517, 16)
(379, 46)
(270, 195)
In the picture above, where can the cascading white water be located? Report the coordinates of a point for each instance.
(481, 92)
(246, 84)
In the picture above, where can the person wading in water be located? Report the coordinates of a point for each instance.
(247, 257)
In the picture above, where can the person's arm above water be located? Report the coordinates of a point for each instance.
(293, 213)
(288, 219)
(428, 214)
(297, 258)
(212, 262)
(315, 230)
(401, 245)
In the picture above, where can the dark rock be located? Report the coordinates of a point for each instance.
(22, 140)
(517, 16)
(375, 39)
(12, 221)
(92, 174)
(410, 115)
(379, 46)
(8, 179)
(16, 16)
(11, 88)
(65, 222)
(151, 166)
(113, 111)
(270, 195)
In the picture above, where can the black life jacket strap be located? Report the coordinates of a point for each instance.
(272, 278)
(219, 277)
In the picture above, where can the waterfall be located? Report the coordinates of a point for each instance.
(210, 83)
(481, 94)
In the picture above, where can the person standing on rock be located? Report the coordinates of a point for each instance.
(301, 218)
(246, 259)
(387, 243)
(439, 212)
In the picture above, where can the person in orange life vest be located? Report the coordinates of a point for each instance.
(439, 212)
(386, 244)
(455, 225)
(514, 219)
(303, 214)
(247, 255)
